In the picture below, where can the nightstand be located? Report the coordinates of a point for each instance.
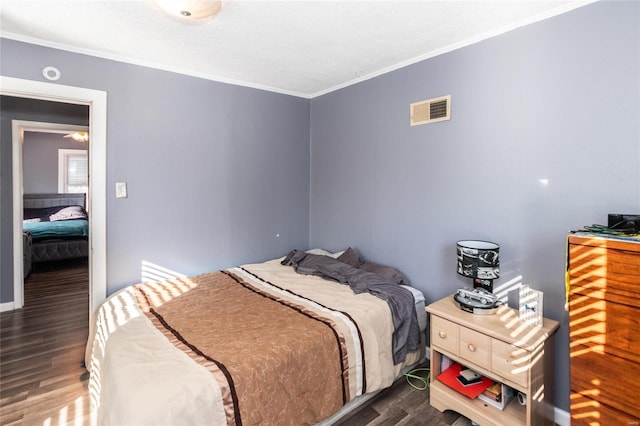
(504, 349)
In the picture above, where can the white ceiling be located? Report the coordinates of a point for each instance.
(304, 48)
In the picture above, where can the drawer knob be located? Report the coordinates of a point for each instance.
(471, 347)
(442, 334)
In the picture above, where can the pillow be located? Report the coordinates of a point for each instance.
(389, 273)
(70, 212)
(323, 252)
(319, 251)
(351, 257)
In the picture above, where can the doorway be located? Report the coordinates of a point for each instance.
(97, 102)
(41, 145)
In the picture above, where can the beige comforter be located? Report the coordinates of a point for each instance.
(257, 344)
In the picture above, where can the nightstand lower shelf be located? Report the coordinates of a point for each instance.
(443, 398)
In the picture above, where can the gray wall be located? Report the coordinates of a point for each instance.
(215, 172)
(40, 160)
(556, 100)
(28, 110)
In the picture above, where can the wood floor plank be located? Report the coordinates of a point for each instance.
(391, 417)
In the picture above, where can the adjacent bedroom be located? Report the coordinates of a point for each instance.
(55, 185)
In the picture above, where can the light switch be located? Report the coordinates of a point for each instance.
(121, 189)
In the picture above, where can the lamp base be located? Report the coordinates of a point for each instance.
(476, 311)
(483, 284)
(476, 301)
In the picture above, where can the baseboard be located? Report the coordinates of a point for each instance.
(560, 416)
(8, 306)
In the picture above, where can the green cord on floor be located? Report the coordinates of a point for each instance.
(416, 381)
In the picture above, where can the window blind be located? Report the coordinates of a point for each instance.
(77, 170)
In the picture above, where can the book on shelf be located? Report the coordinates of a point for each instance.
(498, 395)
(469, 377)
(494, 392)
(450, 378)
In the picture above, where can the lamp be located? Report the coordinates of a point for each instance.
(479, 260)
(190, 9)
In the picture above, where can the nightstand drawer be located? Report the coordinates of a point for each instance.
(445, 334)
(475, 347)
(510, 362)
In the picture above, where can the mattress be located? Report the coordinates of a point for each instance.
(418, 297)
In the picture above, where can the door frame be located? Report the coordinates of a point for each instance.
(97, 102)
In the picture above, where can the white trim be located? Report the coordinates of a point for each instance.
(459, 45)
(43, 127)
(4, 307)
(18, 261)
(97, 101)
(147, 64)
(561, 417)
(135, 61)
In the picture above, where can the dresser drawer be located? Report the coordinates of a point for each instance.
(612, 380)
(445, 334)
(597, 322)
(475, 347)
(510, 362)
(604, 271)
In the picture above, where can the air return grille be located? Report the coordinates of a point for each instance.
(431, 110)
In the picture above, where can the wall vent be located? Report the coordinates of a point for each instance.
(431, 110)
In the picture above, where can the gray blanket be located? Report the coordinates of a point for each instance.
(406, 335)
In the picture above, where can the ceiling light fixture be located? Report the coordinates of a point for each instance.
(78, 136)
(190, 9)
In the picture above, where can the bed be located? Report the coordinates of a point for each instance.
(58, 225)
(254, 344)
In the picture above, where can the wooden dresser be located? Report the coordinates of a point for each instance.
(604, 328)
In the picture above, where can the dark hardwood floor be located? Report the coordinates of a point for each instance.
(402, 405)
(42, 381)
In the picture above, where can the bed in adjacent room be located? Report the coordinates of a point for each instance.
(58, 225)
(254, 344)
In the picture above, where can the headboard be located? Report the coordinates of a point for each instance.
(38, 201)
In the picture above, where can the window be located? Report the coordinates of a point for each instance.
(73, 171)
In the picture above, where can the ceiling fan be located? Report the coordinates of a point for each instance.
(78, 136)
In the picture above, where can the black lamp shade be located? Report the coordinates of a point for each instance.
(478, 259)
